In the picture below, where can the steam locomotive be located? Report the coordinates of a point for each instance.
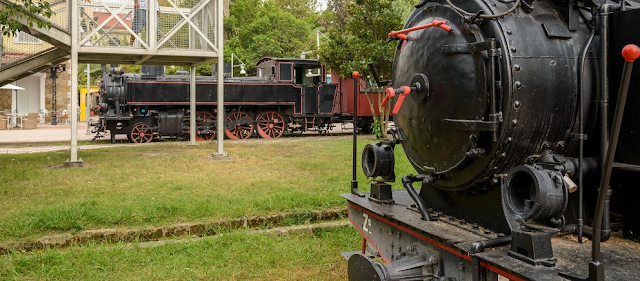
(287, 95)
(512, 113)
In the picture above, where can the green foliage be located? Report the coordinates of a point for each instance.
(131, 68)
(301, 9)
(95, 75)
(404, 7)
(29, 10)
(377, 128)
(274, 28)
(363, 38)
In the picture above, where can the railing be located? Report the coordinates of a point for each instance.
(179, 25)
(22, 48)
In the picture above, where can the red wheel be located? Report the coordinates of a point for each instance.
(205, 126)
(141, 133)
(270, 125)
(238, 126)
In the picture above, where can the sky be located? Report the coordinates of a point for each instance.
(323, 4)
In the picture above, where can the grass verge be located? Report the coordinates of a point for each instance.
(236, 256)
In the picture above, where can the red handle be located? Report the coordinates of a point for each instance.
(398, 104)
(391, 92)
(435, 23)
(630, 52)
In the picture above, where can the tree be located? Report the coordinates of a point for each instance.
(95, 74)
(301, 9)
(360, 39)
(30, 11)
(339, 8)
(260, 29)
(363, 38)
(404, 8)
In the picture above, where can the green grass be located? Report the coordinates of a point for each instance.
(236, 256)
(171, 183)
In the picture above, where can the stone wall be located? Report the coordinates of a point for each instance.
(5, 100)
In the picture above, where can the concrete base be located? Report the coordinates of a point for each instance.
(73, 164)
(220, 157)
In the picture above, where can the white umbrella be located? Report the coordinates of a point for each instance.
(13, 87)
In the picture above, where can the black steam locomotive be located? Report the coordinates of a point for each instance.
(512, 112)
(288, 95)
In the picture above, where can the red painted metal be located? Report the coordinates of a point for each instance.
(435, 23)
(345, 99)
(406, 91)
(141, 133)
(238, 132)
(203, 117)
(270, 125)
(630, 52)
(423, 238)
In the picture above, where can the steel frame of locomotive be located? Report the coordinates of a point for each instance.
(288, 95)
(514, 180)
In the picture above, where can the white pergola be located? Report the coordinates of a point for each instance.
(186, 36)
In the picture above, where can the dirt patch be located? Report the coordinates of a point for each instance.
(171, 231)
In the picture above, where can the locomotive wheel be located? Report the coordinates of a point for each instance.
(141, 133)
(270, 125)
(238, 125)
(205, 126)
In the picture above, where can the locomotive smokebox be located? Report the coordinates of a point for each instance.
(494, 99)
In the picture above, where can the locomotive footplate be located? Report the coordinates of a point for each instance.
(398, 234)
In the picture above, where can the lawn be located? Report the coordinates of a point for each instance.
(172, 182)
(234, 256)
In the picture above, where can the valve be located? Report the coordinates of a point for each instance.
(420, 88)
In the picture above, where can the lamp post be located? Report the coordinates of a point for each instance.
(241, 65)
(54, 76)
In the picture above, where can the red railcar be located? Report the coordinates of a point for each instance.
(345, 101)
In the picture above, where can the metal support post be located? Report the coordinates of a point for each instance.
(192, 107)
(152, 29)
(220, 115)
(74, 160)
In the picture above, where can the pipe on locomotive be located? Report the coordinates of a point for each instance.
(605, 10)
(581, 136)
(407, 182)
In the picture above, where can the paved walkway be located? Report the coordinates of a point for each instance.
(17, 141)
